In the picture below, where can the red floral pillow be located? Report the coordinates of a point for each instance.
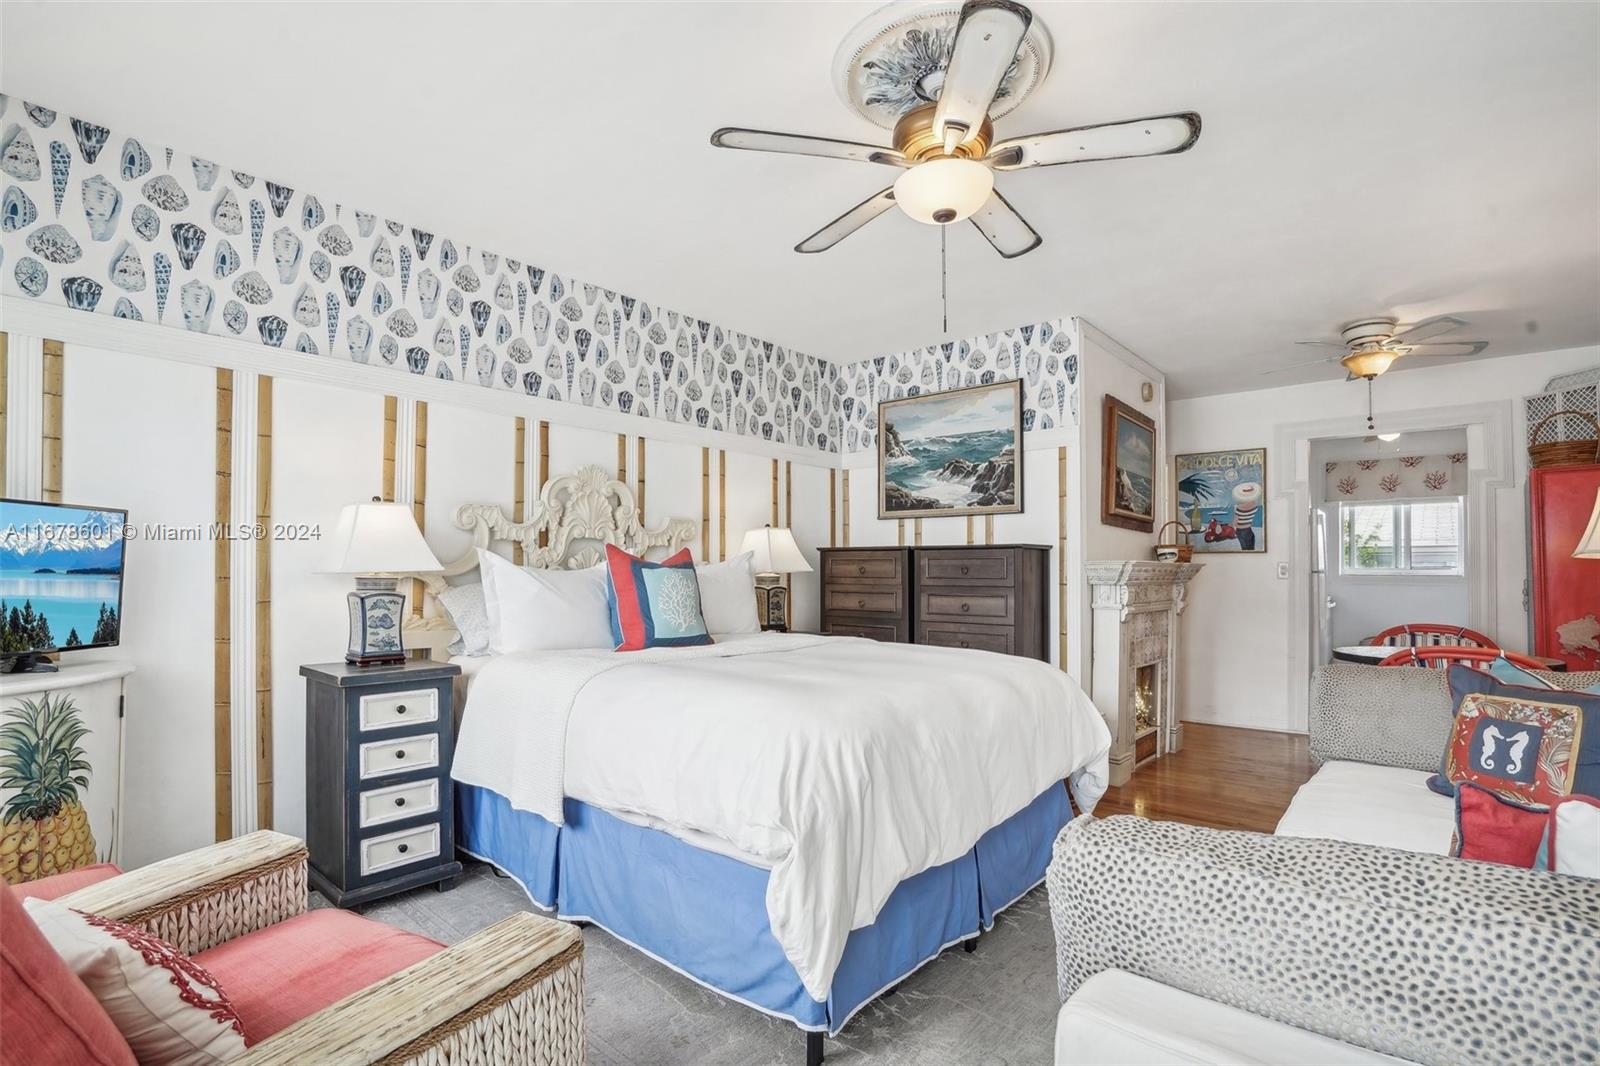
(166, 1005)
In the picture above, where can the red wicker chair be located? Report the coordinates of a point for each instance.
(1431, 635)
(1450, 656)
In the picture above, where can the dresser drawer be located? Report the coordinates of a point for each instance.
(885, 567)
(966, 566)
(377, 806)
(399, 849)
(1002, 639)
(390, 709)
(874, 600)
(887, 631)
(383, 757)
(995, 606)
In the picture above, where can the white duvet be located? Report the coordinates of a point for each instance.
(844, 764)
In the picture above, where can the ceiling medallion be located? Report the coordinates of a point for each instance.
(894, 60)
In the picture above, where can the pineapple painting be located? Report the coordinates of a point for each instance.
(44, 827)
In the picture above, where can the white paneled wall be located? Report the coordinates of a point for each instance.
(471, 459)
(672, 484)
(749, 496)
(140, 434)
(327, 451)
(808, 519)
(572, 447)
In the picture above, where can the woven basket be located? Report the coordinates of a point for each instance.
(1185, 550)
(1564, 452)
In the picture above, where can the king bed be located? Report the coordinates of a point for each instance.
(795, 821)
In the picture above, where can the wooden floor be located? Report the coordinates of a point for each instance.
(1225, 778)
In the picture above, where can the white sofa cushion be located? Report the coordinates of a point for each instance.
(1386, 806)
(1118, 1019)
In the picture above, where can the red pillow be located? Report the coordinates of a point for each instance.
(48, 1017)
(1489, 829)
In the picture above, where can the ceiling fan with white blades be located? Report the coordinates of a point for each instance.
(937, 74)
(1369, 347)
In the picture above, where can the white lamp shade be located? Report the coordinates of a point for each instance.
(1589, 544)
(773, 551)
(378, 538)
(947, 184)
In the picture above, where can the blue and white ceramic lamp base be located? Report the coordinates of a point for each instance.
(377, 609)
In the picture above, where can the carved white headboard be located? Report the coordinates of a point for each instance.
(579, 514)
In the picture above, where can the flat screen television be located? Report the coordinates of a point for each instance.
(60, 580)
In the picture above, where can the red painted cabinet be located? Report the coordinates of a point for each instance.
(1565, 591)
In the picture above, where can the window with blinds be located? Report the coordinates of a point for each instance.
(1406, 537)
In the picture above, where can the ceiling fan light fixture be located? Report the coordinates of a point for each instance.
(944, 190)
(1370, 363)
(1387, 437)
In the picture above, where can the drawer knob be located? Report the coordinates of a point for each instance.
(401, 709)
(399, 801)
(861, 570)
(861, 604)
(963, 569)
(964, 644)
(966, 606)
(401, 753)
(403, 848)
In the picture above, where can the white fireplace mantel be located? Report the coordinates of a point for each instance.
(1136, 604)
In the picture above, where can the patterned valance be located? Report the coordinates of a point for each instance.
(1404, 477)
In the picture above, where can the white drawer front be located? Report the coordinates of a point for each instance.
(380, 805)
(399, 849)
(399, 708)
(383, 757)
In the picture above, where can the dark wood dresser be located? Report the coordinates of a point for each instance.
(990, 596)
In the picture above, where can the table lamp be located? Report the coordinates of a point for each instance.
(1589, 544)
(377, 542)
(773, 553)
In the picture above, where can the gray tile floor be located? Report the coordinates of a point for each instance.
(996, 1005)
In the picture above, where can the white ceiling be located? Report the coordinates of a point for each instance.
(1410, 159)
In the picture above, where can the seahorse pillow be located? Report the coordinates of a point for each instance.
(167, 1006)
(654, 605)
(1527, 746)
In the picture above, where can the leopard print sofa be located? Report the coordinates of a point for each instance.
(1424, 957)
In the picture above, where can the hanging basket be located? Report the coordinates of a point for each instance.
(1184, 549)
(1564, 452)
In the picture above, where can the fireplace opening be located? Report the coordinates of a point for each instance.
(1146, 713)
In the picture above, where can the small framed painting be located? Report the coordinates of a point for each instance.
(1128, 468)
(951, 453)
(1219, 497)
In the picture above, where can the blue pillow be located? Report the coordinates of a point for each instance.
(1465, 681)
(1508, 672)
(654, 605)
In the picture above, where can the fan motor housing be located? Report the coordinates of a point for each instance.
(914, 137)
(1368, 331)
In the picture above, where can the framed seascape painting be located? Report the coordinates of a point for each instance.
(951, 453)
(1128, 468)
(1219, 497)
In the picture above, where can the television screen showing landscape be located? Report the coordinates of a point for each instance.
(951, 453)
(60, 577)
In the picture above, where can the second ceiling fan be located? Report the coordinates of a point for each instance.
(943, 139)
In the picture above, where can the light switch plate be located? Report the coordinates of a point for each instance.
(1283, 571)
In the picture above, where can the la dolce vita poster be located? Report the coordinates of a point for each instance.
(1220, 499)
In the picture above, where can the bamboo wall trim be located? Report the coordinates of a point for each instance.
(222, 613)
(900, 531)
(916, 525)
(638, 464)
(419, 492)
(788, 522)
(391, 406)
(775, 520)
(5, 391)
(969, 529)
(722, 503)
(988, 529)
(263, 599)
(1061, 553)
(54, 387)
(519, 489)
(622, 458)
(846, 534)
(544, 472)
(705, 504)
(833, 508)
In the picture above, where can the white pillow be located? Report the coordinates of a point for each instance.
(470, 615)
(543, 610)
(728, 595)
(166, 1005)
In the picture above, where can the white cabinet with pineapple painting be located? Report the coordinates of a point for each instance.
(61, 769)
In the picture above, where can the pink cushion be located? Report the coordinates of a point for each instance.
(58, 885)
(47, 1015)
(278, 975)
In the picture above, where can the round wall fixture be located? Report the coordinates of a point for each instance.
(894, 60)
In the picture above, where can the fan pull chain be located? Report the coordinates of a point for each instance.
(944, 291)
(1369, 404)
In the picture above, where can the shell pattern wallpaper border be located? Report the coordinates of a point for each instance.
(101, 221)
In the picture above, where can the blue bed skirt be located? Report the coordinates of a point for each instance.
(705, 915)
